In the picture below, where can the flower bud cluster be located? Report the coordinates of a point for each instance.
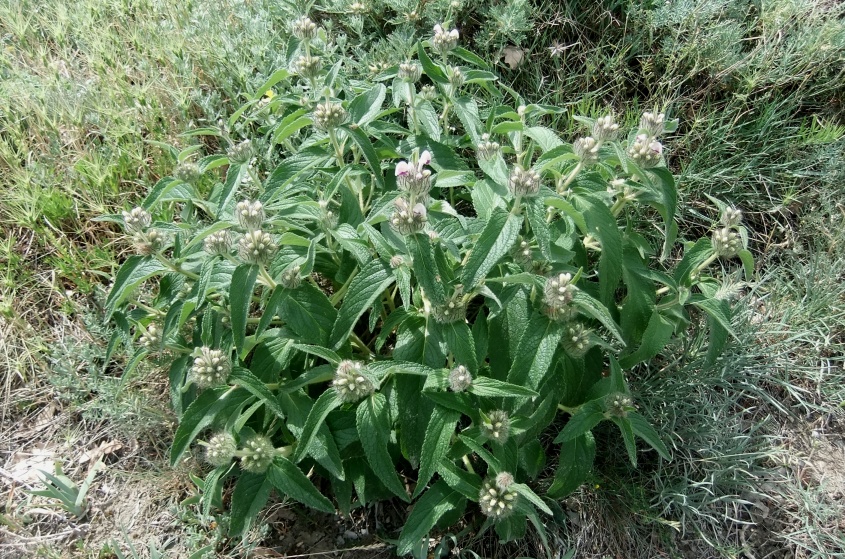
(453, 310)
(521, 253)
(328, 115)
(726, 242)
(304, 29)
(496, 426)
(524, 182)
(250, 214)
(428, 92)
(605, 129)
(150, 339)
(211, 368)
(148, 242)
(444, 41)
(652, 125)
(357, 8)
(257, 454)
(618, 404)
(137, 220)
(410, 72)
(396, 260)
(218, 243)
(587, 150)
(187, 171)
(256, 247)
(731, 217)
(496, 501)
(406, 220)
(456, 77)
(241, 152)
(350, 384)
(487, 150)
(307, 66)
(645, 151)
(460, 379)
(576, 339)
(557, 294)
(290, 277)
(413, 177)
(221, 449)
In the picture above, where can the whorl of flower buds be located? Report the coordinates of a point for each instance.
(256, 247)
(150, 339)
(726, 242)
(605, 129)
(304, 29)
(618, 404)
(410, 72)
(307, 66)
(257, 454)
(290, 277)
(250, 214)
(218, 243)
(504, 480)
(211, 368)
(576, 339)
(396, 260)
(413, 177)
(221, 449)
(148, 242)
(453, 310)
(652, 125)
(456, 77)
(587, 150)
(241, 152)
(557, 294)
(496, 426)
(460, 379)
(406, 220)
(731, 217)
(443, 40)
(486, 149)
(328, 115)
(136, 220)
(350, 385)
(524, 182)
(496, 502)
(645, 151)
(187, 171)
(521, 253)
(428, 92)
(357, 8)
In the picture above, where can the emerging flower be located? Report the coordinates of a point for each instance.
(428, 92)
(151, 337)
(307, 66)
(328, 116)
(413, 177)
(304, 29)
(443, 40)
(618, 404)
(557, 294)
(456, 77)
(357, 8)
(256, 247)
(148, 242)
(187, 171)
(726, 242)
(218, 243)
(410, 72)
(250, 214)
(605, 129)
(350, 384)
(407, 221)
(487, 150)
(496, 426)
(396, 260)
(576, 339)
(137, 220)
(652, 125)
(645, 151)
(240, 153)
(257, 454)
(460, 379)
(495, 501)
(587, 150)
(453, 310)
(221, 449)
(211, 368)
(504, 480)
(524, 182)
(731, 217)
(290, 277)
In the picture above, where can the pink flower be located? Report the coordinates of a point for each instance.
(403, 168)
(425, 158)
(656, 147)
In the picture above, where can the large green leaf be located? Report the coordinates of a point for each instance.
(309, 313)
(132, 273)
(240, 298)
(425, 269)
(366, 106)
(436, 502)
(588, 416)
(643, 429)
(288, 479)
(438, 435)
(211, 404)
(492, 388)
(243, 377)
(373, 424)
(595, 309)
(460, 342)
(655, 338)
(249, 497)
(495, 241)
(576, 461)
(327, 401)
(602, 225)
(369, 152)
(535, 351)
(364, 289)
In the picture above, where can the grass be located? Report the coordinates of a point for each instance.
(89, 89)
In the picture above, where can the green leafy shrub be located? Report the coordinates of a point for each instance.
(427, 281)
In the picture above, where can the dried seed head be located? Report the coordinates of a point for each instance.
(256, 247)
(524, 182)
(290, 277)
(495, 502)
(731, 217)
(496, 426)
(428, 92)
(136, 220)
(605, 129)
(241, 152)
(410, 72)
(557, 294)
(349, 383)
(443, 40)
(459, 379)
(328, 115)
(726, 242)
(486, 149)
(257, 454)
(221, 449)
(406, 220)
(576, 339)
(618, 404)
(304, 29)
(211, 368)
(150, 338)
(652, 125)
(218, 243)
(250, 214)
(645, 151)
(587, 150)
(307, 66)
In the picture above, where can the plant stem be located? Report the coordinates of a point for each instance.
(707, 262)
(357, 342)
(566, 409)
(175, 267)
(270, 282)
(338, 295)
(571, 177)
